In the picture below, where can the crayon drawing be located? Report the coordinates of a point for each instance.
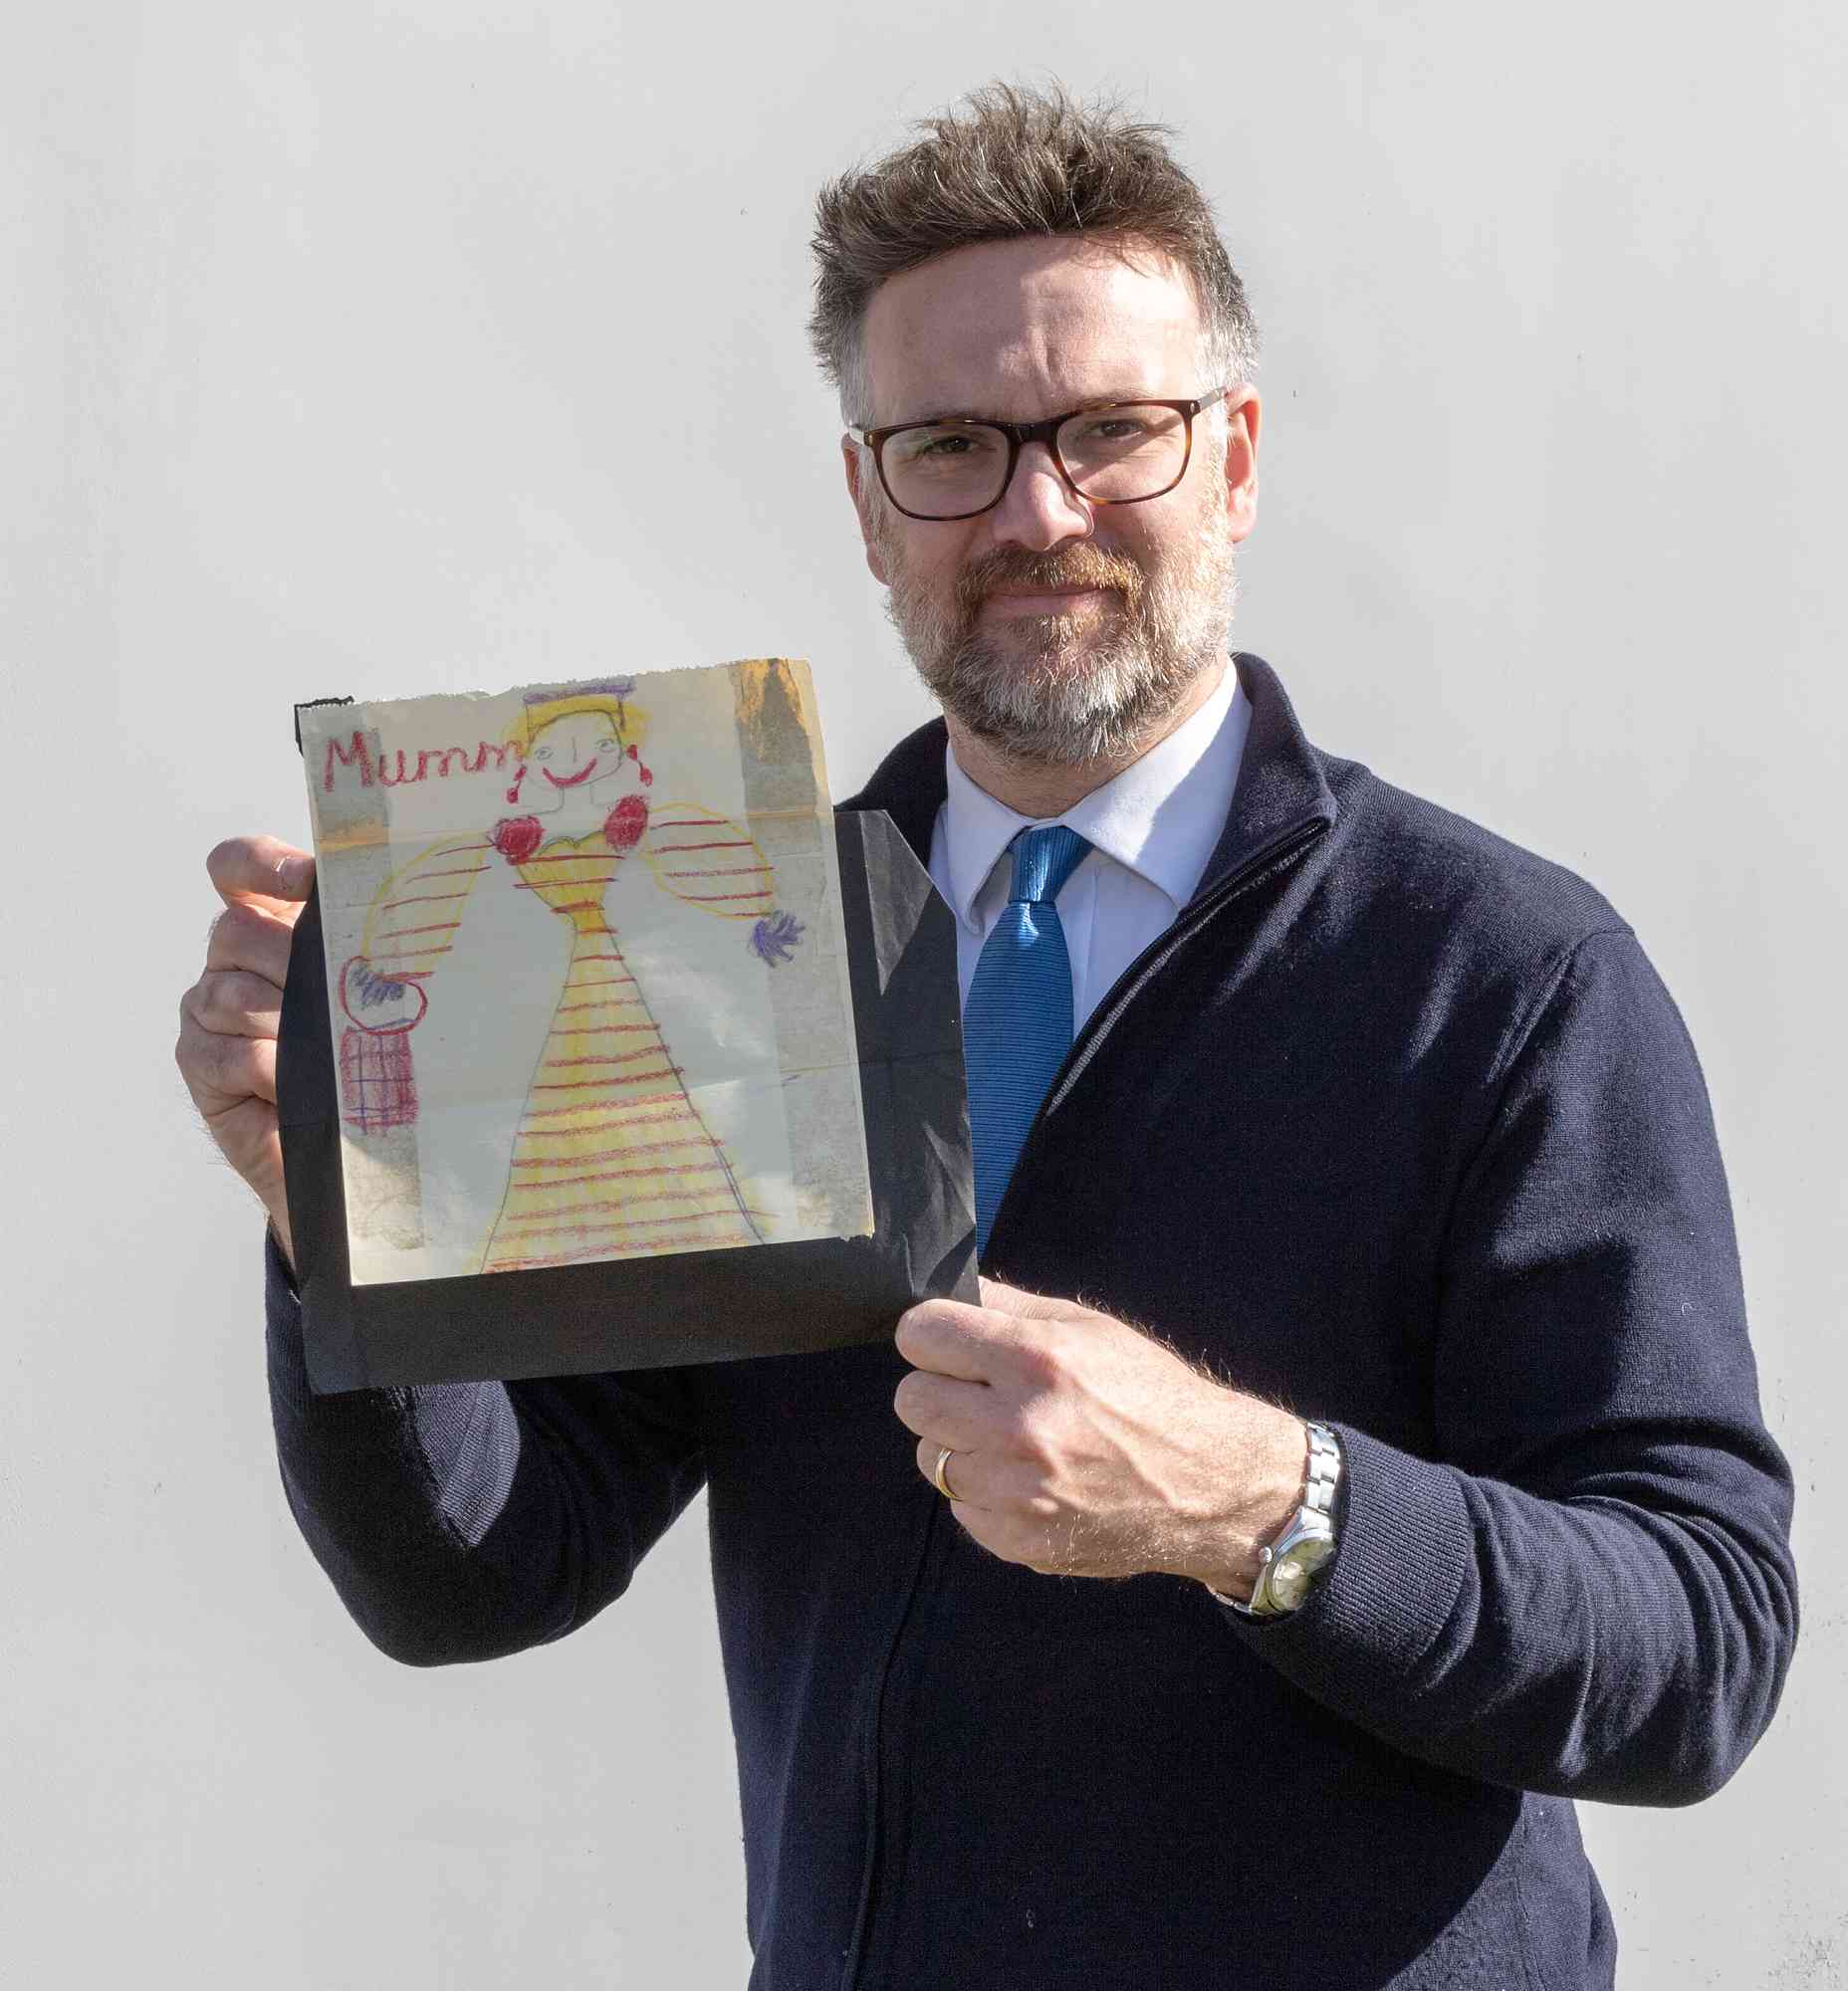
(678, 1097)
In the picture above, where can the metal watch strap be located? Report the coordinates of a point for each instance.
(1313, 1521)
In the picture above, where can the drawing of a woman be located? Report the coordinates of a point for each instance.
(611, 1158)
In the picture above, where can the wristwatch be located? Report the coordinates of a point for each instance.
(1287, 1567)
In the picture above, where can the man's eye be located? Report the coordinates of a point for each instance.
(542, 753)
(601, 743)
(1117, 428)
(943, 446)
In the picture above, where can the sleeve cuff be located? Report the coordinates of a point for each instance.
(282, 1311)
(277, 1269)
(1404, 1552)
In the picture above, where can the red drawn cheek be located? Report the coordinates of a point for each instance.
(627, 823)
(516, 837)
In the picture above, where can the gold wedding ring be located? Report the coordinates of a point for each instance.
(944, 1455)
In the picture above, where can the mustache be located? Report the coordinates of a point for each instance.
(1080, 566)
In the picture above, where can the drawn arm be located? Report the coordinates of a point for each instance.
(410, 925)
(712, 862)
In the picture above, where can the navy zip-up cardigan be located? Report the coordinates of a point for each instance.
(1397, 1126)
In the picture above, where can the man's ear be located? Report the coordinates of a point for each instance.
(859, 466)
(1242, 463)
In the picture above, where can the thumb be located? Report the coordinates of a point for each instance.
(1027, 1306)
(261, 870)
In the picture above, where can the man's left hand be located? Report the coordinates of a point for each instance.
(1083, 1446)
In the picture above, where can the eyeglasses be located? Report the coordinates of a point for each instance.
(1118, 453)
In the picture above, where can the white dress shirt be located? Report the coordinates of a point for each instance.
(1151, 829)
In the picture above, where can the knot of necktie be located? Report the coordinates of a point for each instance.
(1043, 860)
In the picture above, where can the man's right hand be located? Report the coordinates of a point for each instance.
(228, 1019)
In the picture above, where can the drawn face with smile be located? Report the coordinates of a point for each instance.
(570, 756)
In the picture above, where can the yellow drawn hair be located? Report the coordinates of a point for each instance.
(627, 720)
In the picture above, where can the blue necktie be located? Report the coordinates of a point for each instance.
(1017, 1022)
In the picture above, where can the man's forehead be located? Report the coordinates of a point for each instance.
(1030, 328)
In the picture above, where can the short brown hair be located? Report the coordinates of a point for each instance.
(1015, 163)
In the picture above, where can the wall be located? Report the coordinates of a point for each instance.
(441, 345)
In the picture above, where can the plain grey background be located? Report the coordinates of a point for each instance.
(433, 347)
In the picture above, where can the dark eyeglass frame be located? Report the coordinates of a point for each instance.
(1019, 434)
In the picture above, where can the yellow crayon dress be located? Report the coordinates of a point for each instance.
(611, 1158)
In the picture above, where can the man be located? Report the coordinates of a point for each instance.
(1408, 1402)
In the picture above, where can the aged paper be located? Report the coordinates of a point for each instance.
(587, 973)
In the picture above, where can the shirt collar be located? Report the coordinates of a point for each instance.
(1160, 817)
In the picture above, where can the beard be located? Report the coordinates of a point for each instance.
(1065, 690)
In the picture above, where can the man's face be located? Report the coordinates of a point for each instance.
(1055, 629)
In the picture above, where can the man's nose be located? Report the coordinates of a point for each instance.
(1040, 510)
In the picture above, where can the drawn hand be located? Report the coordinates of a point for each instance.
(228, 1019)
(379, 1005)
(1087, 1447)
(775, 937)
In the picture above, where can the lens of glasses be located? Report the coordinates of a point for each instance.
(1123, 453)
(944, 470)
(940, 470)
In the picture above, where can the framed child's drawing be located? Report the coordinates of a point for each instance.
(607, 1042)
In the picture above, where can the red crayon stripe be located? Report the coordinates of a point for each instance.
(624, 1107)
(623, 1174)
(624, 1124)
(688, 1195)
(627, 1106)
(409, 933)
(599, 1029)
(617, 1154)
(622, 1153)
(598, 1084)
(612, 1057)
(532, 1225)
(420, 899)
(616, 1236)
(675, 849)
(639, 1248)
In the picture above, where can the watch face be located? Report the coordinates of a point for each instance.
(1288, 1580)
(1291, 1573)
